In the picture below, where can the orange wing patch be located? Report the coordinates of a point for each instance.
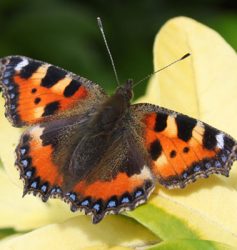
(36, 165)
(36, 102)
(120, 185)
(42, 159)
(102, 197)
(103, 189)
(34, 90)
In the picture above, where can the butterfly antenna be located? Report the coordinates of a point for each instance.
(148, 76)
(107, 47)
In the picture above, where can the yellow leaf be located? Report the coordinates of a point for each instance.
(28, 212)
(80, 233)
(203, 86)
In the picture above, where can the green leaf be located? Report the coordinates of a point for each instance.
(6, 232)
(162, 223)
(191, 244)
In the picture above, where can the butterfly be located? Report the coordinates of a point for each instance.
(97, 152)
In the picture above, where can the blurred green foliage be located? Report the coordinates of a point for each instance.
(65, 33)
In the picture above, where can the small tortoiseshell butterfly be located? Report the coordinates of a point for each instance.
(99, 153)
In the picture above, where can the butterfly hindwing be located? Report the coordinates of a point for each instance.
(36, 91)
(100, 175)
(42, 153)
(182, 149)
(120, 181)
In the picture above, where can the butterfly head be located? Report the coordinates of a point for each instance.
(126, 90)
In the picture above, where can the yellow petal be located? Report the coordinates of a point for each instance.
(203, 86)
(28, 212)
(79, 233)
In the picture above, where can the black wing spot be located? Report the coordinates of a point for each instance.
(228, 143)
(14, 60)
(71, 88)
(33, 90)
(185, 126)
(161, 122)
(172, 154)
(209, 138)
(37, 100)
(27, 71)
(52, 76)
(51, 108)
(155, 149)
(186, 149)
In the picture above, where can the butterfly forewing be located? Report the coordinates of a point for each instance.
(36, 91)
(181, 148)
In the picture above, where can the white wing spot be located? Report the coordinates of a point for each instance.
(220, 140)
(22, 64)
(144, 174)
